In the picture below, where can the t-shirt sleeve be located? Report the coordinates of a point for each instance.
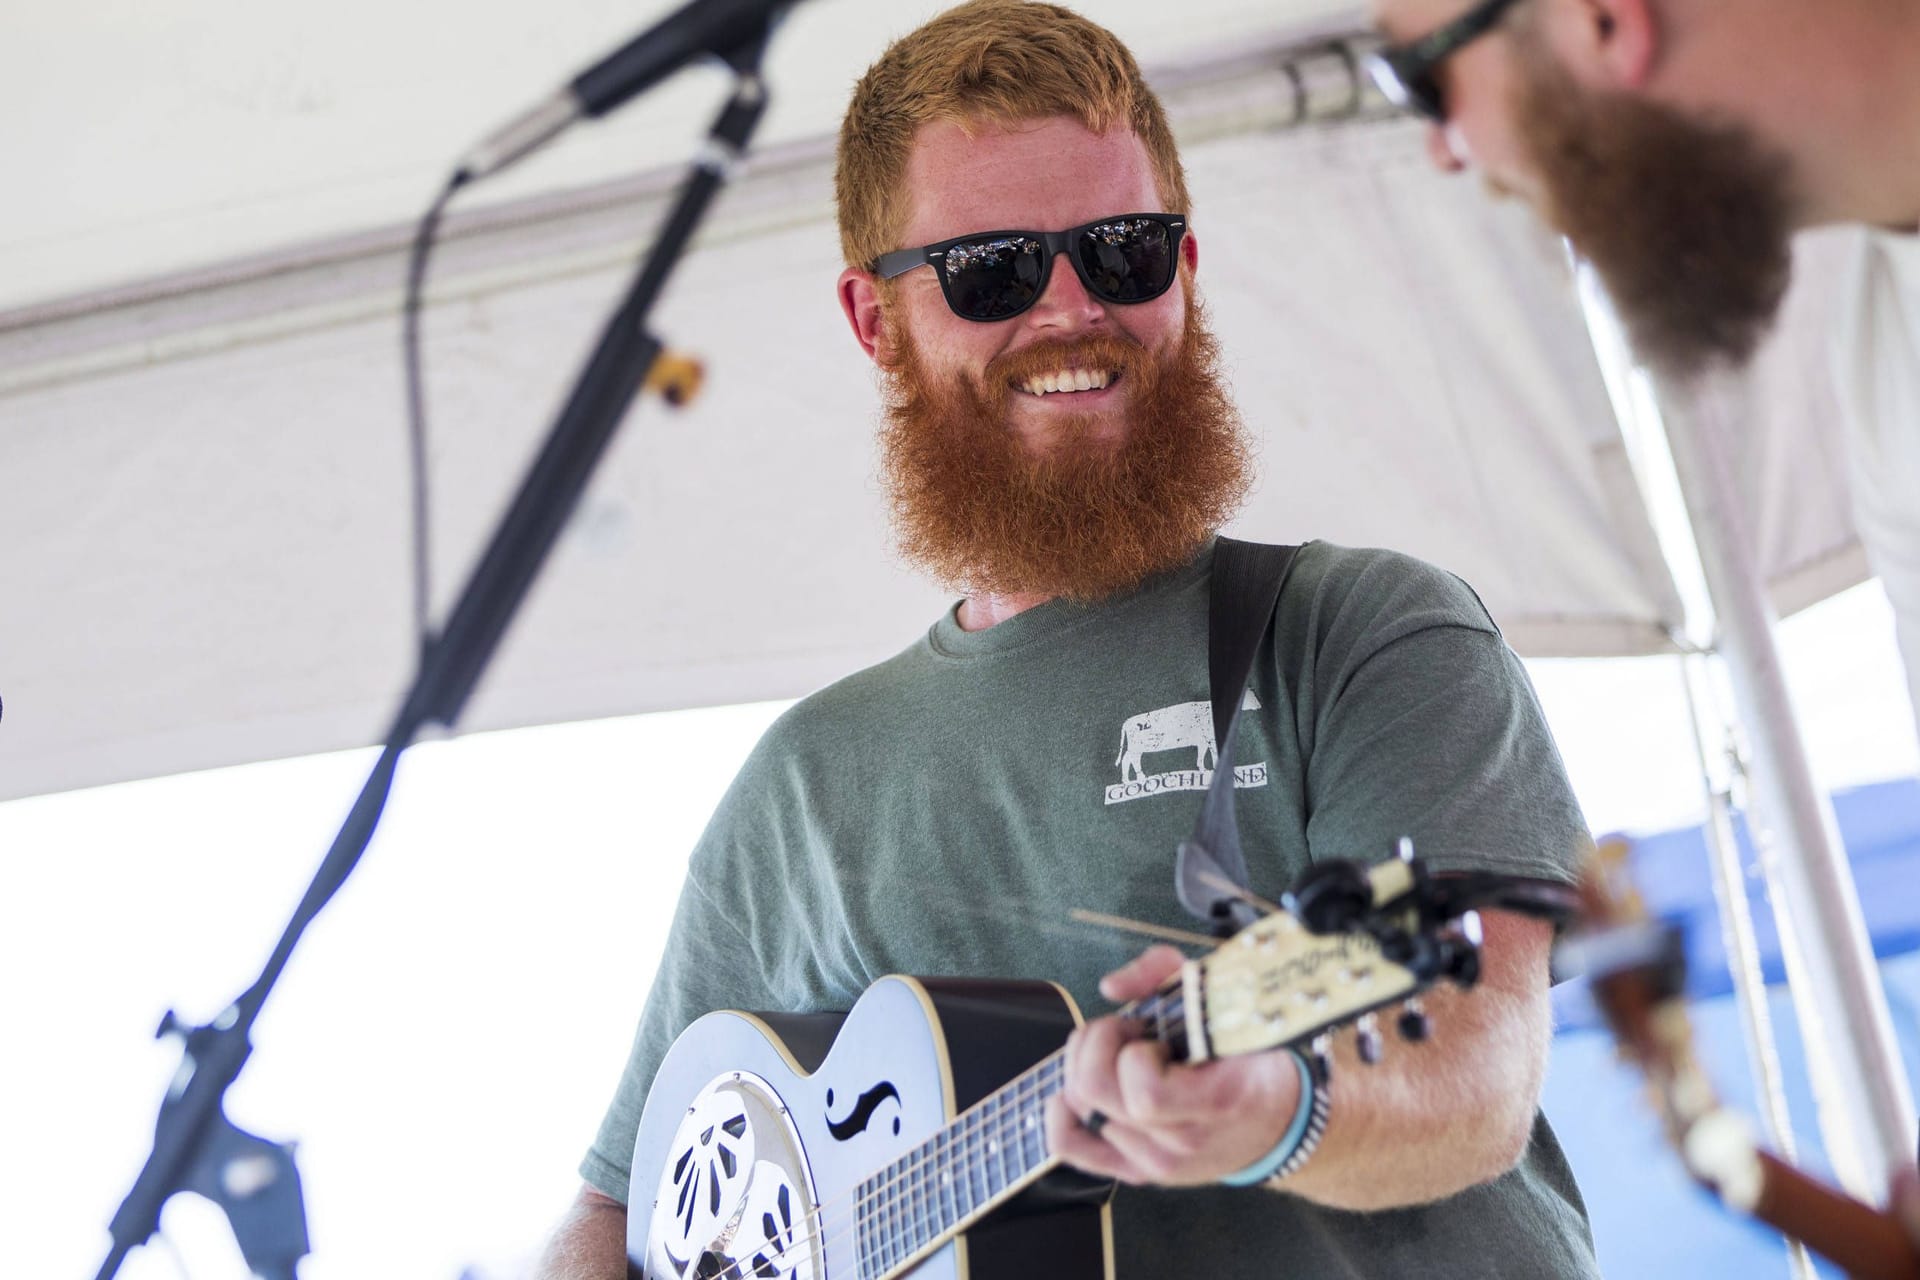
(1423, 724)
(728, 948)
(701, 971)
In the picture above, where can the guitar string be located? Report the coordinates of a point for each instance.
(1164, 1007)
(920, 1157)
(823, 1237)
(970, 906)
(816, 1218)
(918, 1161)
(1172, 1010)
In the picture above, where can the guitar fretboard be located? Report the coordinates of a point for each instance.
(986, 1156)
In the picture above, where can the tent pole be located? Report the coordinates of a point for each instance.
(1719, 771)
(1860, 1087)
(1736, 908)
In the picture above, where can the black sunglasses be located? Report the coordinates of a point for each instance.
(1404, 72)
(996, 275)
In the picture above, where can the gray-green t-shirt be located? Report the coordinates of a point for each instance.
(940, 814)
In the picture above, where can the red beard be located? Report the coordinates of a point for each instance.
(985, 514)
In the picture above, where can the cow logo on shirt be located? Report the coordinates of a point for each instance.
(1183, 727)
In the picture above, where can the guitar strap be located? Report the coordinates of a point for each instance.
(1246, 582)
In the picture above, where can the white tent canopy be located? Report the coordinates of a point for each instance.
(205, 544)
(212, 534)
(155, 138)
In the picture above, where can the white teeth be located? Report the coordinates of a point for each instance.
(1067, 380)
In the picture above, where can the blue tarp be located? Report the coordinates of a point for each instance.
(1648, 1219)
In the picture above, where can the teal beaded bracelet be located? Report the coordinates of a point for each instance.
(1300, 1131)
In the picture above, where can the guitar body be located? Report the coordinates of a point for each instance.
(755, 1121)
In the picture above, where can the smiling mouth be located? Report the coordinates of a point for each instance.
(1068, 382)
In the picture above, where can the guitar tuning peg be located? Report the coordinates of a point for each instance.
(1459, 951)
(1321, 1053)
(1463, 966)
(1414, 1025)
(1331, 897)
(1368, 1040)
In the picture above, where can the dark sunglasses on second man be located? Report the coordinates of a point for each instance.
(1405, 72)
(996, 275)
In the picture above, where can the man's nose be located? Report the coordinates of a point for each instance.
(1065, 303)
(1444, 149)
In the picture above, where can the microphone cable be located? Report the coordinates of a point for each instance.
(417, 259)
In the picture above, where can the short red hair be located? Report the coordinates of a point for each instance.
(994, 61)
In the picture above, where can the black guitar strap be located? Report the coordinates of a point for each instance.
(1247, 578)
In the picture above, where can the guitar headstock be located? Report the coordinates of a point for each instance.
(1348, 942)
(1636, 968)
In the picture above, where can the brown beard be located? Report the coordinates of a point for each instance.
(1688, 223)
(986, 514)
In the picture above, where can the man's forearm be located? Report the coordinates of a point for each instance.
(1435, 1118)
(591, 1242)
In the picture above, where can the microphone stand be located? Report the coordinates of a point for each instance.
(195, 1147)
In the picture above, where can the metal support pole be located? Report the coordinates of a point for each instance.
(1720, 771)
(1865, 1107)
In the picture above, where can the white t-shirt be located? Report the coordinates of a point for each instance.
(1877, 357)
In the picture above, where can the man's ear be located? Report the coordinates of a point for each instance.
(1616, 42)
(1190, 251)
(859, 293)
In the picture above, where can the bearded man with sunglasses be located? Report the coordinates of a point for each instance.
(1059, 446)
(1680, 145)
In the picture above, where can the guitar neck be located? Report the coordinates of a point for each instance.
(1866, 1243)
(1636, 967)
(989, 1154)
(931, 1192)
